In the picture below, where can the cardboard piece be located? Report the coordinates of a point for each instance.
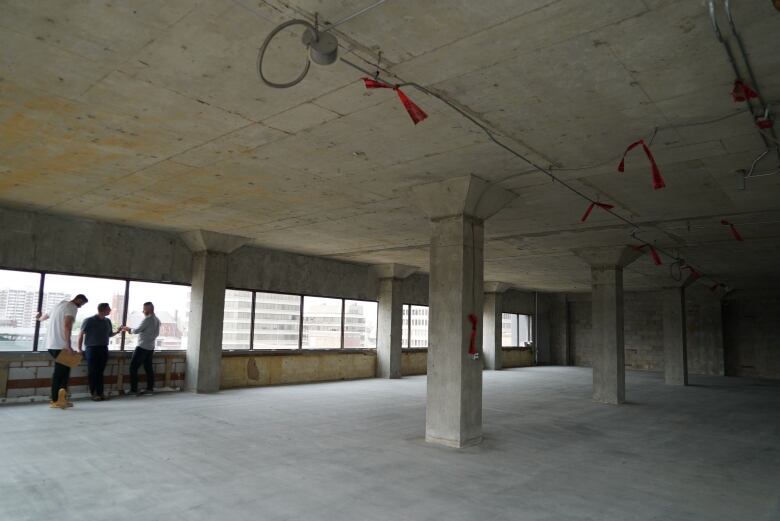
(71, 360)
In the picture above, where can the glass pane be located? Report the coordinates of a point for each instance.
(237, 319)
(172, 307)
(57, 288)
(360, 324)
(509, 330)
(405, 326)
(419, 326)
(321, 323)
(277, 321)
(524, 335)
(18, 306)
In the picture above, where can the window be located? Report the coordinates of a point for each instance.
(277, 321)
(418, 335)
(414, 323)
(360, 324)
(321, 323)
(237, 320)
(515, 329)
(18, 306)
(57, 288)
(172, 307)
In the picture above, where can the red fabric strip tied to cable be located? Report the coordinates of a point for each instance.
(605, 206)
(694, 273)
(653, 253)
(658, 180)
(742, 92)
(473, 340)
(734, 231)
(415, 112)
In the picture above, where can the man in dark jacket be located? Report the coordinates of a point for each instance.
(95, 333)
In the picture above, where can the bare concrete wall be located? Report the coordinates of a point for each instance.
(270, 270)
(517, 357)
(414, 362)
(43, 242)
(752, 336)
(643, 331)
(253, 370)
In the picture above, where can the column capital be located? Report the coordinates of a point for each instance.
(609, 256)
(466, 195)
(204, 240)
(496, 287)
(393, 271)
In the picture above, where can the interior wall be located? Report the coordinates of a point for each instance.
(643, 332)
(27, 376)
(752, 335)
(42, 242)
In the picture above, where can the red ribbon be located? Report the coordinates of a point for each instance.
(734, 231)
(473, 341)
(695, 274)
(415, 112)
(605, 206)
(653, 253)
(658, 180)
(742, 92)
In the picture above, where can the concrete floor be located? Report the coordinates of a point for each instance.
(355, 451)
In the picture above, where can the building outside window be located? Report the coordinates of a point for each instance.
(18, 306)
(277, 321)
(515, 330)
(414, 323)
(237, 320)
(172, 307)
(57, 288)
(321, 323)
(360, 324)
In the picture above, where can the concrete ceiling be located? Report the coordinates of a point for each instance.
(151, 113)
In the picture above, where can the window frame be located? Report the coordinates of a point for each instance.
(408, 345)
(301, 297)
(128, 280)
(42, 285)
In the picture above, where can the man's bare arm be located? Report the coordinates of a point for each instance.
(68, 326)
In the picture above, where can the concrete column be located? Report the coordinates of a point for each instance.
(457, 209)
(491, 325)
(388, 340)
(390, 321)
(609, 372)
(207, 306)
(675, 337)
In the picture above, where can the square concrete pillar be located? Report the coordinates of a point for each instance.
(207, 306)
(491, 326)
(389, 330)
(390, 322)
(454, 413)
(457, 209)
(609, 372)
(675, 337)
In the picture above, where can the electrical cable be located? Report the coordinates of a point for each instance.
(264, 47)
(490, 135)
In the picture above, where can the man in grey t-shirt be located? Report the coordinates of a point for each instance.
(148, 331)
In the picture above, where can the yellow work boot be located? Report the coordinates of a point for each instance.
(62, 400)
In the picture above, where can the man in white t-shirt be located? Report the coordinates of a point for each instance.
(58, 337)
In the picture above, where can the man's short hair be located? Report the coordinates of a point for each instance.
(81, 297)
(149, 304)
(103, 306)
